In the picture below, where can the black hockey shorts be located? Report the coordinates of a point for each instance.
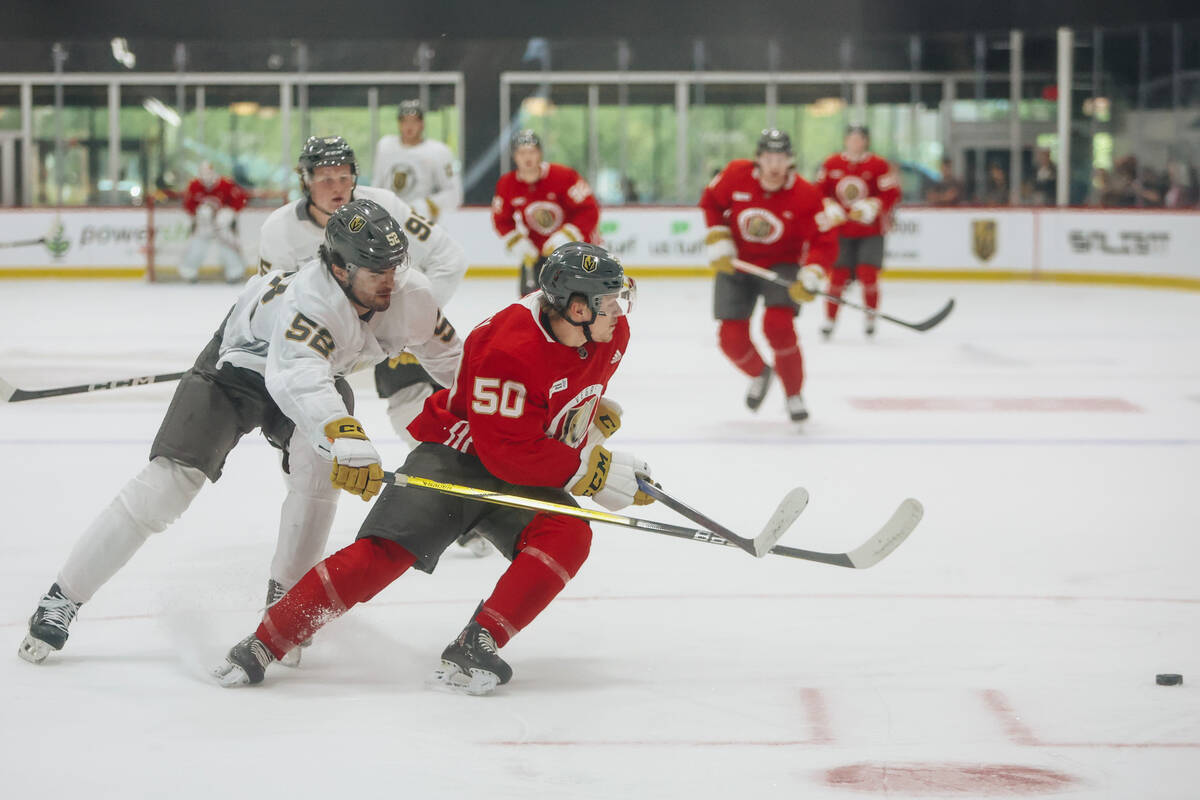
(425, 522)
(734, 295)
(399, 373)
(852, 252)
(214, 408)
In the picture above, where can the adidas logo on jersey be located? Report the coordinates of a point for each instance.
(616, 357)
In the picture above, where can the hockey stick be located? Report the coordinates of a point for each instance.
(24, 242)
(893, 533)
(791, 506)
(772, 277)
(11, 394)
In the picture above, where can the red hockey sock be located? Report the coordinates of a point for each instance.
(352, 575)
(837, 282)
(869, 276)
(734, 337)
(551, 551)
(780, 329)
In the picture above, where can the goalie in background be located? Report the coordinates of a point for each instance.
(860, 191)
(213, 202)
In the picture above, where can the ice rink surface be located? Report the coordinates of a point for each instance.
(1007, 649)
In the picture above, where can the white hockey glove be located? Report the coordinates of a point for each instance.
(356, 465)
(564, 235)
(521, 249)
(720, 250)
(811, 281)
(224, 218)
(610, 478)
(865, 210)
(832, 216)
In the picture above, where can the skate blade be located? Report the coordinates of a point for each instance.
(33, 650)
(478, 683)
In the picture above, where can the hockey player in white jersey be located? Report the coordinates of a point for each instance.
(278, 362)
(421, 171)
(291, 234)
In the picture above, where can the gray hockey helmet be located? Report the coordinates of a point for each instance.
(585, 270)
(362, 235)
(773, 140)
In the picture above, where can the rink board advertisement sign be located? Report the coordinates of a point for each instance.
(106, 239)
(664, 240)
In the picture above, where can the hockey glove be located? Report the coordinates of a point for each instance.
(719, 247)
(608, 417)
(355, 462)
(610, 478)
(811, 281)
(521, 249)
(865, 210)
(564, 235)
(832, 215)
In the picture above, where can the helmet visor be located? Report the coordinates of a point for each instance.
(619, 303)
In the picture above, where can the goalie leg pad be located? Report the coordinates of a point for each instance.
(352, 575)
(734, 338)
(550, 553)
(780, 330)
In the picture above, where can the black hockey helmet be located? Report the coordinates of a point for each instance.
(410, 108)
(362, 235)
(526, 137)
(324, 151)
(773, 140)
(588, 271)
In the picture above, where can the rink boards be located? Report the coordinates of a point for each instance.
(1139, 247)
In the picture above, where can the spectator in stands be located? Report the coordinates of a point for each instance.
(1183, 190)
(949, 190)
(995, 192)
(1101, 186)
(1045, 178)
(1120, 192)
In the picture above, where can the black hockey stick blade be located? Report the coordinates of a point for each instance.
(871, 552)
(11, 394)
(789, 509)
(933, 321)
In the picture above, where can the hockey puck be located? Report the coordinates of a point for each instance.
(1168, 679)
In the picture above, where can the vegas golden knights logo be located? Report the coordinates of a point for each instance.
(589, 263)
(399, 181)
(356, 223)
(758, 227)
(983, 238)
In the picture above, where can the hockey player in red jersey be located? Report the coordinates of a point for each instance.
(527, 415)
(539, 207)
(860, 191)
(213, 202)
(760, 211)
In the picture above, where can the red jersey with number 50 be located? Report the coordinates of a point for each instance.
(769, 227)
(846, 180)
(522, 401)
(559, 197)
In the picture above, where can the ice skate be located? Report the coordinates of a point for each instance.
(474, 544)
(246, 663)
(471, 663)
(869, 325)
(275, 591)
(758, 388)
(796, 408)
(48, 627)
